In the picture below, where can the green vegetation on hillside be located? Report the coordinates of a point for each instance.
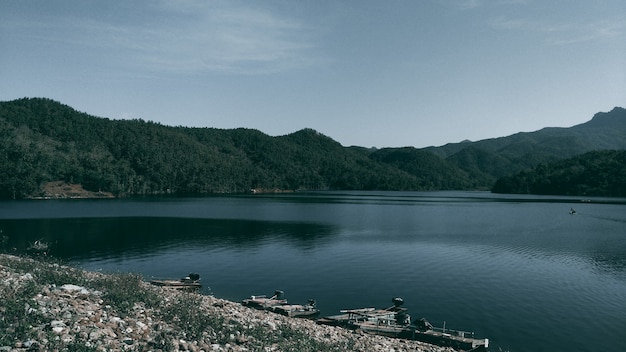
(487, 160)
(599, 173)
(43, 141)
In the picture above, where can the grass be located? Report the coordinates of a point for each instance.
(285, 338)
(124, 291)
(15, 320)
(187, 312)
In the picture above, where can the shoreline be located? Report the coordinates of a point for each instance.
(65, 308)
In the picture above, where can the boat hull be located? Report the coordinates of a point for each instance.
(177, 285)
(296, 310)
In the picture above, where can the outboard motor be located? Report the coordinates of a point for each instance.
(402, 318)
(278, 294)
(311, 302)
(397, 301)
(191, 278)
(423, 325)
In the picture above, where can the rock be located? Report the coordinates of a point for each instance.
(117, 321)
(270, 324)
(95, 335)
(30, 344)
(75, 288)
(26, 276)
(57, 326)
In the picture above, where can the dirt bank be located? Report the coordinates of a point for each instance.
(64, 190)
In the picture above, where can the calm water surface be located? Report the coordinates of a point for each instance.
(519, 270)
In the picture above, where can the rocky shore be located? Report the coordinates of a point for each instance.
(51, 307)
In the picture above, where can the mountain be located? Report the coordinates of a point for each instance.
(431, 171)
(490, 159)
(44, 142)
(597, 173)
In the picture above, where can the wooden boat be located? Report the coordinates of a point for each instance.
(277, 304)
(188, 283)
(384, 327)
(297, 310)
(423, 331)
(263, 302)
(395, 322)
(353, 318)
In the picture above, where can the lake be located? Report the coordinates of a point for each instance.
(519, 270)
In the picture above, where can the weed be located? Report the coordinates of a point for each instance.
(186, 312)
(17, 320)
(286, 338)
(46, 271)
(123, 291)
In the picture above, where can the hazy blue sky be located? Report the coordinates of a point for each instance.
(367, 73)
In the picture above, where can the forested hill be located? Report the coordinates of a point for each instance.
(599, 173)
(489, 159)
(42, 141)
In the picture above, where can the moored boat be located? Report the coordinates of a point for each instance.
(277, 304)
(354, 318)
(264, 302)
(396, 322)
(189, 283)
(423, 331)
(298, 310)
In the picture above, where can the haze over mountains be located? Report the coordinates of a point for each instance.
(43, 141)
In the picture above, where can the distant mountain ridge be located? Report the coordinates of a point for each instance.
(490, 159)
(603, 124)
(42, 141)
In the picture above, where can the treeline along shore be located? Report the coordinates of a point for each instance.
(50, 150)
(46, 306)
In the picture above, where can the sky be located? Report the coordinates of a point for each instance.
(366, 73)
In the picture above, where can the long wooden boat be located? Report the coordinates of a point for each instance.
(395, 322)
(277, 304)
(188, 283)
(264, 302)
(353, 318)
(297, 310)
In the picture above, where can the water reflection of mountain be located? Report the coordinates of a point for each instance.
(76, 238)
